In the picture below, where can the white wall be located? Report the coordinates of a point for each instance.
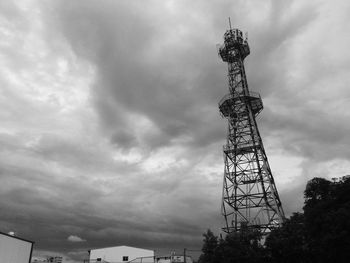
(14, 250)
(174, 259)
(116, 254)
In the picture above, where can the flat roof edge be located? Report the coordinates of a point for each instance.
(26, 240)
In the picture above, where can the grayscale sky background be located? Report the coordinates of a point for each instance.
(110, 131)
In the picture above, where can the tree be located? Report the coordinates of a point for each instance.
(327, 213)
(317, 189)
(242, 246)
(209, 249)
(320, 234)
(289, 242)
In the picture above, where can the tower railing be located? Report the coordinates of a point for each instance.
(252, 94)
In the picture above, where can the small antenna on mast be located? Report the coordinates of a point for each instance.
(229, 22)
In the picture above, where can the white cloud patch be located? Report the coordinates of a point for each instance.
(73, 238)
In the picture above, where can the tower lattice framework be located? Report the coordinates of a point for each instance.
(250, 197)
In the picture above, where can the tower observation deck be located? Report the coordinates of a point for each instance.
(249, 196)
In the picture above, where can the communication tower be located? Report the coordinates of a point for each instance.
(249, 197)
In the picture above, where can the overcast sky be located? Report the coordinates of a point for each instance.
(110, 132)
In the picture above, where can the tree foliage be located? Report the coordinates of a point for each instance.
(320, 234)
(209, 249)
(288, 243)
(327, 214)
(243, 246)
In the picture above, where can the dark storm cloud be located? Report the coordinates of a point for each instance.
(138, 57)
(139, 72)
(65, 210)
(267, 67)
(140, 161)
(315, 136)
(48, 206)
(123, 139)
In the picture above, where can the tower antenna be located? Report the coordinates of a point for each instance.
(229, 22)
(250, 198)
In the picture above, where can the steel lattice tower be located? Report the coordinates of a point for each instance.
(249, 196)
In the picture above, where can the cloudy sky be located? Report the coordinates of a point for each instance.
(110, 131)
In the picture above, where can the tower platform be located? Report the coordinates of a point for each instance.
(234, 47)
(227, 103)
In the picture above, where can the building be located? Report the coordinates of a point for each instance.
(47, 259)
(121, 254)
(14, 249)
(54, 259)
(173, 259)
